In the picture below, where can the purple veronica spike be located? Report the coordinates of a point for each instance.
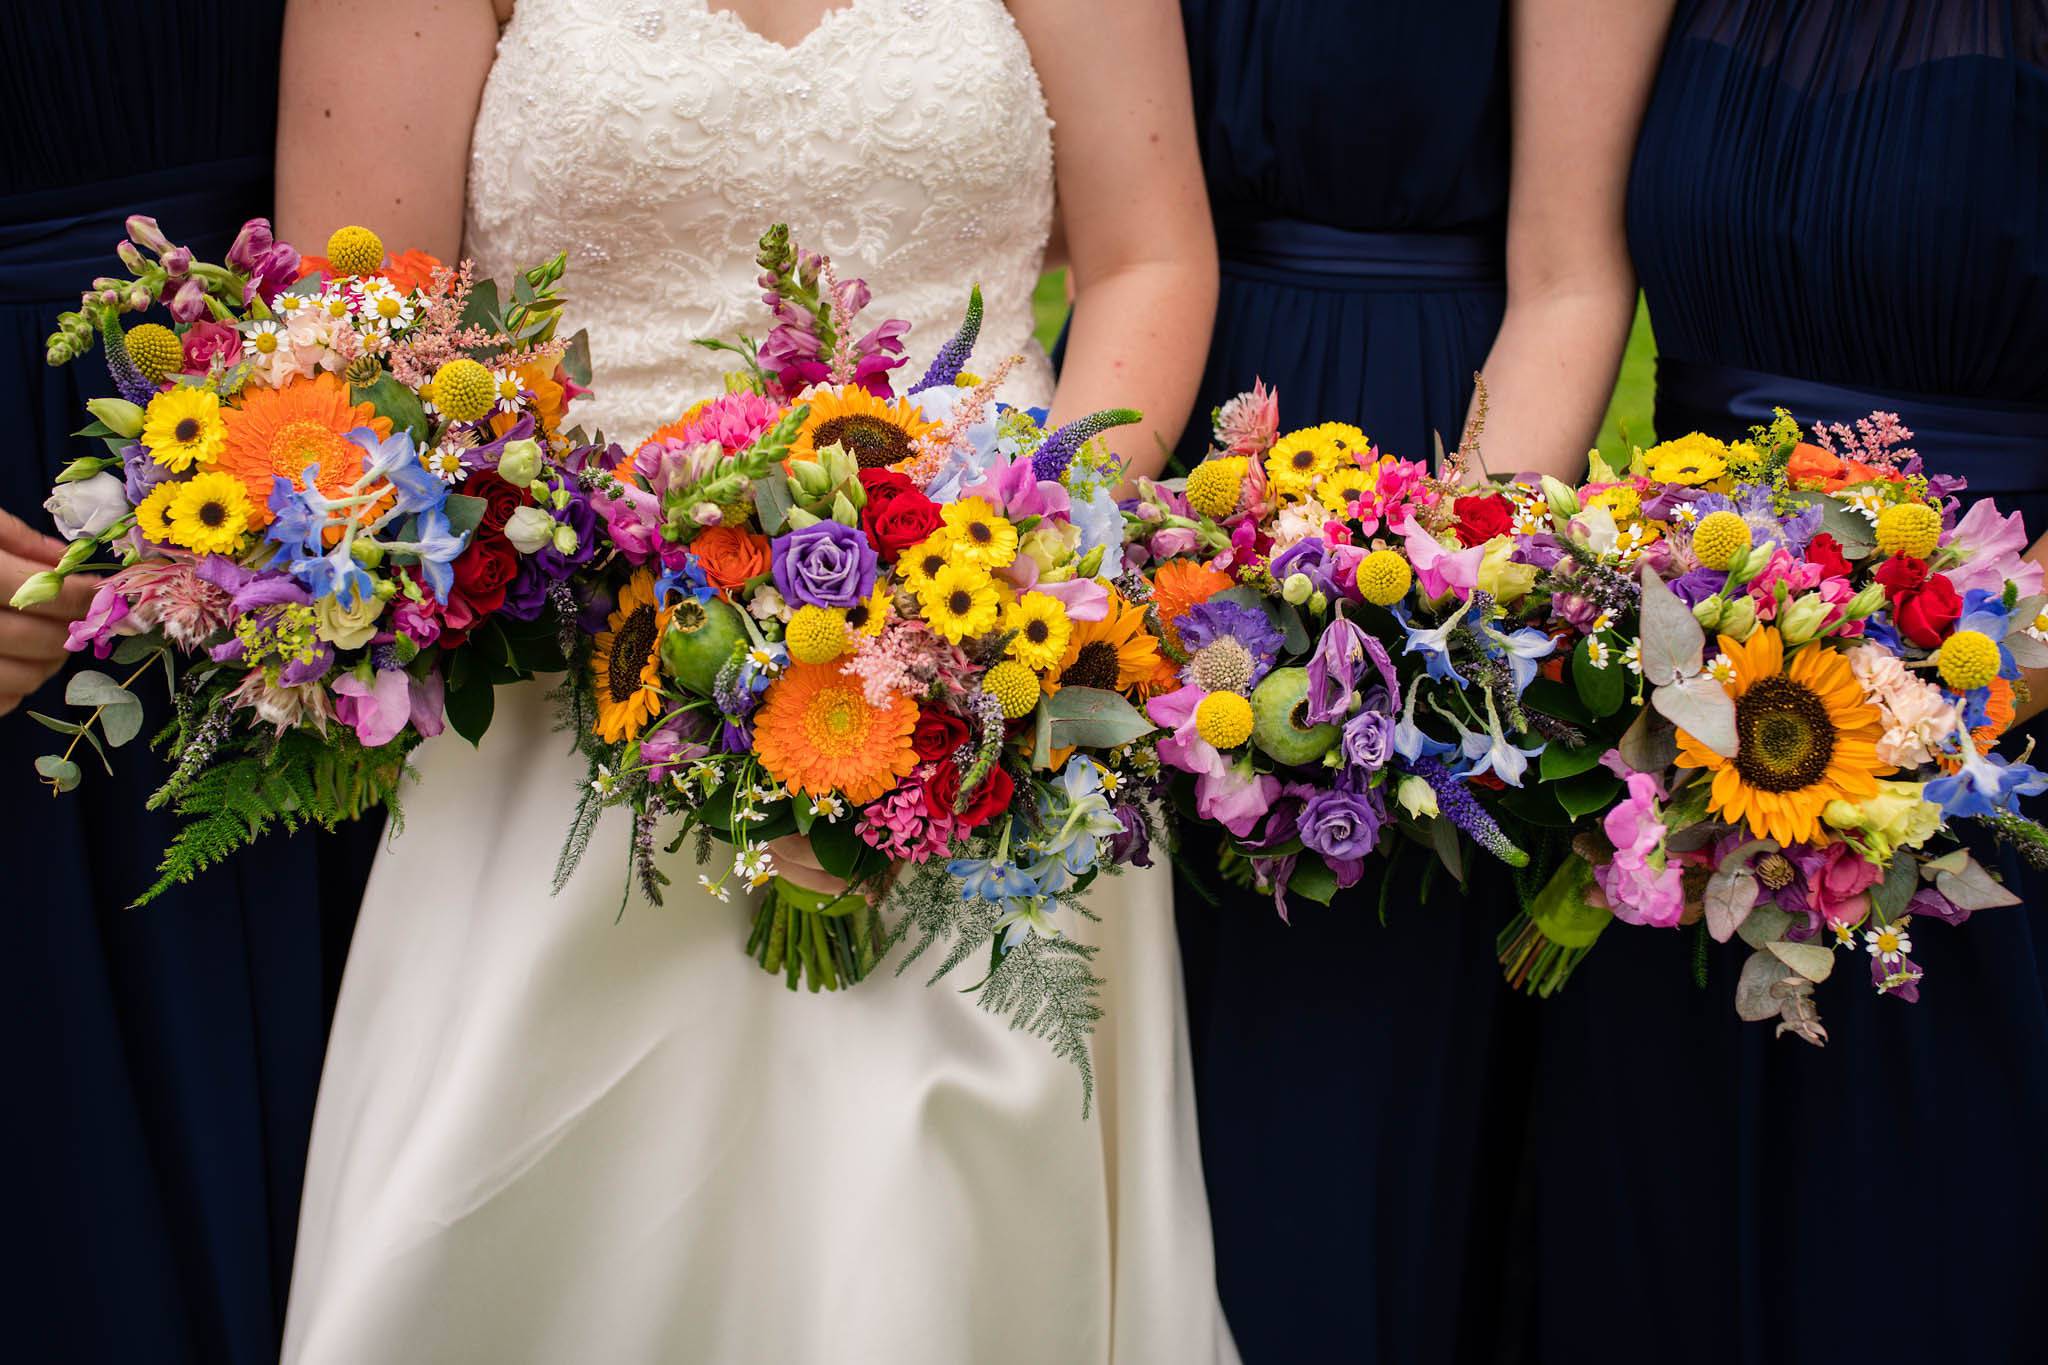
(128, 380)
(1455, 800)
(1057, 451)
(952, 357)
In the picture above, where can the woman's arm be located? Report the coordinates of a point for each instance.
(383, 143)
(1582, 71)
(1136, 218)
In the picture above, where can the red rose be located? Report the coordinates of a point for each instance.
(1482, 516)
(1901, 574)
(501, 500)
(1925, 617)
(897, 515)
(482, 574)
(1825, 552)
(938, 734)
(990, 799)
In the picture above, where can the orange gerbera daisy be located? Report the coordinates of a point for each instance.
(408, 270)
(625, 661)
(877, 432)
(1115, 653)
(1805, 736)
(817, 733)
(279, 433)
(1182, 584)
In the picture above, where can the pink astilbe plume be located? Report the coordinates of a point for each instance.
(440, 335)
(1878, 440)
(934, 448)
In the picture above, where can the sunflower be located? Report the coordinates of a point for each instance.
(278, 433)
(960, 601)
(182, 427)
(1805, 736)
(209, 514)
(1042, 627)
(876, 432)
(1115, 653)
(625, 662)
(869, 617)
(1180, 584)
(981, 537)
(153, 513)
(817, 733)
(1298, 459)
(921, 562)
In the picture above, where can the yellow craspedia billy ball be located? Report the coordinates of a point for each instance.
(816, 635)
(463, 390)
(1224, 719)
(1384, 578)
(1217, 486)
(355, 251)
(1014, 687)
(156, 351)
(1718, 538)
(1909, 528)
(1968, 660)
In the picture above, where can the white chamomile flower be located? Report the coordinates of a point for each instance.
(603, 783)
(1721, 669)
(1604, 621)
(1845, 934)
(1112, 780)
(827, 808)
(764, 661)
(384, 307)
(1685, 514)
(2038, 628)
(264, 338)
(1888, 942)
(333, 302)
(1867, 501)
(1597, 652)
(508, 389)
(287, 304)
(755, 865)
(1632, 657)
(444, 462)
(716, 888)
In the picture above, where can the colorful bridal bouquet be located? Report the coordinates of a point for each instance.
(892, 623)
(1750, 690)
(335, 507)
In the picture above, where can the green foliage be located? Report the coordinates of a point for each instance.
(301, 779)
(1048, 988)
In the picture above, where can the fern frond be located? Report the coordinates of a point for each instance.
(1048, 988)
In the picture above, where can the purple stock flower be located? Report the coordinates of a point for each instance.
(824, 564)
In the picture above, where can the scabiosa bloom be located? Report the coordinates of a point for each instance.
(1791, 533)
(1232, 646)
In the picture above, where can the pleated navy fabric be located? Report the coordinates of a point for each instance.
(161, 1063)
(1835, 205)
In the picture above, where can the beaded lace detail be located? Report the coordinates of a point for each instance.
(908, 139)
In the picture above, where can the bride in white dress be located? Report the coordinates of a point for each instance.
(544, 1135)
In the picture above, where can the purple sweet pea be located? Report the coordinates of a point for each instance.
(824, 565)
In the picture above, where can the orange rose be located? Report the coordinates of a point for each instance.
(730, 556)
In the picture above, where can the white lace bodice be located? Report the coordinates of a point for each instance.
(907, 139)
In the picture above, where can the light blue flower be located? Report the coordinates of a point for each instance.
(1101, 523)
(1031, 915)
(1984, 785)
(1410, 741)
(1494, 752)
(396, 460)
(1433, 644)
(436, 544)
(1522, 648)
(334, 575)
(992, 879)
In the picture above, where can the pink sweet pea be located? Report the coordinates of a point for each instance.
(1230, 794)
(1437, 569)
(379, 711)
(1013, 486)
(1990, 546)
(1635, 890)
(99, 627)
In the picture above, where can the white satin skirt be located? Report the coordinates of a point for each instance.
(550, 1133)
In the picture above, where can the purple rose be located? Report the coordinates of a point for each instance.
(824, 565)
(1368, 741)
(1341, 825)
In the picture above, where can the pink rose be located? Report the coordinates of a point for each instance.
(207, 342)
(1836, 884)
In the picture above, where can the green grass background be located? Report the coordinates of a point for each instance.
(1628, 410)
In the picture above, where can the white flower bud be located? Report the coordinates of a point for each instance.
(1564, 503)
(87, 507)
(565, 539)
(1297, 588)
(519, 464)
(530, 529)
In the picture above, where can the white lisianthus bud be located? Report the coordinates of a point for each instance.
(1802, 620)
(87, 506)
(519, 464)
(1738, 617)
(1708, 612)
(1564, 503)
(1869, 600)
(117, 415)
(530, 529)
(35, 590)
(565, 539)
(1417, 797)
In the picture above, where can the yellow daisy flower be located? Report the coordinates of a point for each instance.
(960, 601)
(1300, 458)
(182, 427)
(153, 513)
(1691, 459)
(1042, 627)
(1341, 487)
(869, 617)
(921, 562)
(209, 514)
(980, 536)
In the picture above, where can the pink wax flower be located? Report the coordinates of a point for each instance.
(1637, 890)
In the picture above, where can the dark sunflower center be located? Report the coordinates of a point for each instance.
(960, 602)
(187, 429)
(632, 646)
(857, 616)
(1304, 459)
(872, 442)
(212, 513)
(1784, 738)
(931, 564)
(981, 531)
(1037, 631)
(1094, 666)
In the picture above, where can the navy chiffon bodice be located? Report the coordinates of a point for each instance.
(1835, 205)
(162, 1062)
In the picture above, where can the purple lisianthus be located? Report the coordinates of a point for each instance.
(1209, 622)
(139, 473)
(1132, 845)
(527, 593)
(1344, 827)
(1368, 742)
(824, 564)
(1310, 557)
(1697, 585)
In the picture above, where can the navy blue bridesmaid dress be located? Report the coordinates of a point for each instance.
(160, 1063)
(1356, 1147)
(1836, 205)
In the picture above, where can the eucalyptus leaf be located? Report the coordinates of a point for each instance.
(1313, 880)
(1850, 528)
(1041, 737)
(1973, 888)
(1702, 708)
(62, 727)
(1810, 960)
(1673, 643)
(464, 512)
(1093, 718)
(1753, 999)
(2026, 650)
(1890, 895)
(121, 722)
(88, 688)
(1650, 743)
(772, 502)
(133, 649)
(397, 402)
(482, 308)
(1765, 924)
(59, 770)
(576, 359)
(1729, 897)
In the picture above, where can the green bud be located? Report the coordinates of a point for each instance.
(560, 498)
(84, 467)
(117, 415)
(1319, 602)
(1297, 588)
(566, 540)
(1708, 613)
(1738, 618)
(1090, 563)
(36, 589)
(810, 476)
(1803, 620)
(1869, 600)
(402, 645)
(385, 590)
(799, 518)
(76, 554)
(520, 462)
(366, 552)
(1564, 502)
